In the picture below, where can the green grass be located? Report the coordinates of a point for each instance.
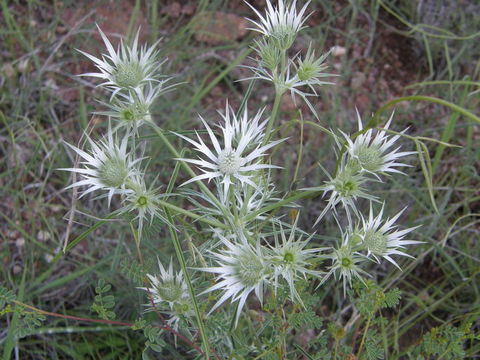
(439, 287)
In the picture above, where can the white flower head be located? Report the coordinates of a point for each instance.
(169, 292)
(108, 166)
(133, 109)
(281, 23)
(345, 264)
(307, 72)
(345, 188)
(371, 152)
(381, 239)
(129, 67)
(143, 201)
(291, 260)
(242, 268)
(236, 158)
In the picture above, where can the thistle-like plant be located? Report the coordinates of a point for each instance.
(344, 188)
(281, 23)
(233, 158)
(108, 166)
(237, 234)
(292, 260)
(132, 109)
(279, 28)
(370, 153)
(381, 238)
(143, 201)
(169, 293)
(242, 268)
(129, 67)
(345, 264)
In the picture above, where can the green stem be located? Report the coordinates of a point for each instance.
(191, 291)
(192, 215)
(276, 106)
(278, 98)
(289, 200)
(364, 337)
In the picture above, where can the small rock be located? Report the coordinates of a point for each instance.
(48, 258)
(43, 235)
(23, 66)
(20, 242)
(56, 208)
(338, 50)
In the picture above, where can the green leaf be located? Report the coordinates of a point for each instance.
(392, 298)
(6, 296)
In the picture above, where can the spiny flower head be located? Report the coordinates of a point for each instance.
(280, 23)
(307, 72)
(236, 158)
(371, 153)
(130, 67)
(242, 268)
(344, 189)
(270, 54)
(291, 259)
(143, 201)
(310, 69)
(167, 287)
(345, 263)
(133, 109)
(169, 292)
(381, 239)
(108, 166)
(234, 211)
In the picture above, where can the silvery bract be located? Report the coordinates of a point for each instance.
(143, 201)
(291, 259)
(108, 166)
(371, 153)
(169, 292)
(381, 239)
(281, 23)
(242, 268)
(129, 67)
(233, 158)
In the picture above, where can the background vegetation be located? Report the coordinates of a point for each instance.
(384, 50)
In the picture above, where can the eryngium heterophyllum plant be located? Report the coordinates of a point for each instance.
(108, 165)
(280, 27)
(243, 250)
(169, 294)
(129, 67)
(237, 157)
